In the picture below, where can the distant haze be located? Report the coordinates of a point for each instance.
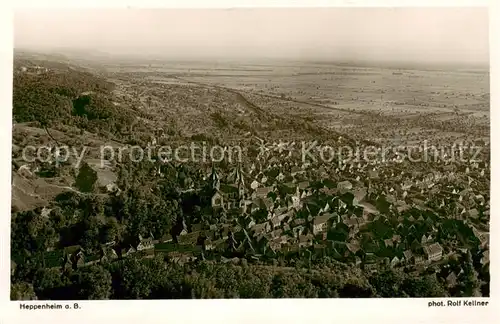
(457, 35)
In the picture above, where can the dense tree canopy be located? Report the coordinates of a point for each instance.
(69, 97)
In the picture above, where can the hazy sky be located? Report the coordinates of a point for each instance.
(430, 34)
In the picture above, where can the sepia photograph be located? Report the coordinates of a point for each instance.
(250, 153)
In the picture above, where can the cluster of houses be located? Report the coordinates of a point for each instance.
(277, 206)
(75, 256)
(32, 69)
(289, 215)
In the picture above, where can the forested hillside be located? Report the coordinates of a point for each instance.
(67, 96)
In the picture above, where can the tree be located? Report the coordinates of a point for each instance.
(388, 283)
(86, 179)
(91, 228)
(471, 282)
(425, 286)
(22, 291)
(112, 230)
(51, 284)
(134, 279)
(123, 179)
(93, 282)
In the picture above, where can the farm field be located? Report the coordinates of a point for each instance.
(366, 102)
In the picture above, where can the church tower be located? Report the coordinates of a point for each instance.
(241, 186)
(237, 178)
(214, 179)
